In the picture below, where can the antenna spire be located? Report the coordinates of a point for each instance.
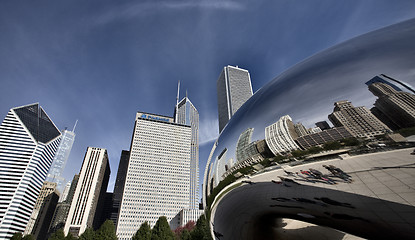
(177, 102)
(73, 130)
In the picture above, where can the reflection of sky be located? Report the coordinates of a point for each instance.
(308, 91)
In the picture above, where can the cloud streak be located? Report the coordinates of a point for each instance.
(135, 10)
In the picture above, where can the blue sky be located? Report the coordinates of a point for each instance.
(102, 61)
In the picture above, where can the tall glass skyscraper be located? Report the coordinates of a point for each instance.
(28, 142)
(61, 156)
(188, 115)
(234, 89)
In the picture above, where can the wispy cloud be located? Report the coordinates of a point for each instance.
(147, 8)
(208, 130)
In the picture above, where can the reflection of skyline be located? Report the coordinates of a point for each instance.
(283, 136)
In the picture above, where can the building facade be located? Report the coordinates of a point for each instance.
(89, 196)
(59, 162)
(158, 176)
(187, 114)
(281, 135)
(359, 121)
(234, 89)
(28, 142)
(119, 185)
(319, 138)
(397, 106)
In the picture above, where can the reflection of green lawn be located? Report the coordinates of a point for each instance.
(224, 192)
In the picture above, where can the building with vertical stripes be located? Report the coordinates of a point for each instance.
(89, 196)
(28, 142)
(187, 114)
(158, 175)
(281, 135)
(234, 89)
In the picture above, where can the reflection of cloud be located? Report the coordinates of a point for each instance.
(138, 9)
(208, 130)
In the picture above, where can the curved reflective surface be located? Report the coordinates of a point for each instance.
(310, 146)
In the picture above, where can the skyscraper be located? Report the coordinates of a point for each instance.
(158, 176)
(89, 196)
(28, 142)
(397, 106)
(280, 136)
(359, 121)
(187, 114)
(119, 185)
(234, 89)
(61, 156)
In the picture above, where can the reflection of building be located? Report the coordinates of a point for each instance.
(234, 89)
(61, 156)
(90, 191)
(280, 136)
(62, 208)
(323, 125)
(29, 140)
(300, 129)
(119, 185)
(359, 121)
(43, 211)
(245, 148)
(396, 106)
(158, 174)
(329, 135)
(394, 83)
(187, 114)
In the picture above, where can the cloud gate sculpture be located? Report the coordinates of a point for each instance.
(327, 142)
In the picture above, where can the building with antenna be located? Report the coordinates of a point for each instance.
(29, 140)
(61, 157)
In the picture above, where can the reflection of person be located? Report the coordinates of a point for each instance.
(334, 202)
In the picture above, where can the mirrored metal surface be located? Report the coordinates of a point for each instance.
(323, 143)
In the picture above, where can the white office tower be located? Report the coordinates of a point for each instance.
(61, 156)
(88, 200)
(65, 192)
(280, 136)
(28, 142)
(158, 175)
(234, 89)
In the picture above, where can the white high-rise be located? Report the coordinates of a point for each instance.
(28, 142)
(158, 175)
(234, 89)
(88, 200)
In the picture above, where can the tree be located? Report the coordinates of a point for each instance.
(88, 234)
(28, 237)
(106, 231)
(143, 233)
(185, 235)
(70, 237)
(183, 232)
(162, 231)
(17, 236)
(58, 235)
(202, 230)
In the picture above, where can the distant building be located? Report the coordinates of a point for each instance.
(245, 148)
(300, 129)
(158, 175)
(359, 121)
(29, 140)
(280, 136)
(38, 218)
(46, 210)
(187, 114)
(59, 161)
(119, 185)
(394, 106)
(329, 135)
(234, 89)
(323, 125)
(89, 196)
(62, 208)
(64, 193)
(187, 215)
(394, 83)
